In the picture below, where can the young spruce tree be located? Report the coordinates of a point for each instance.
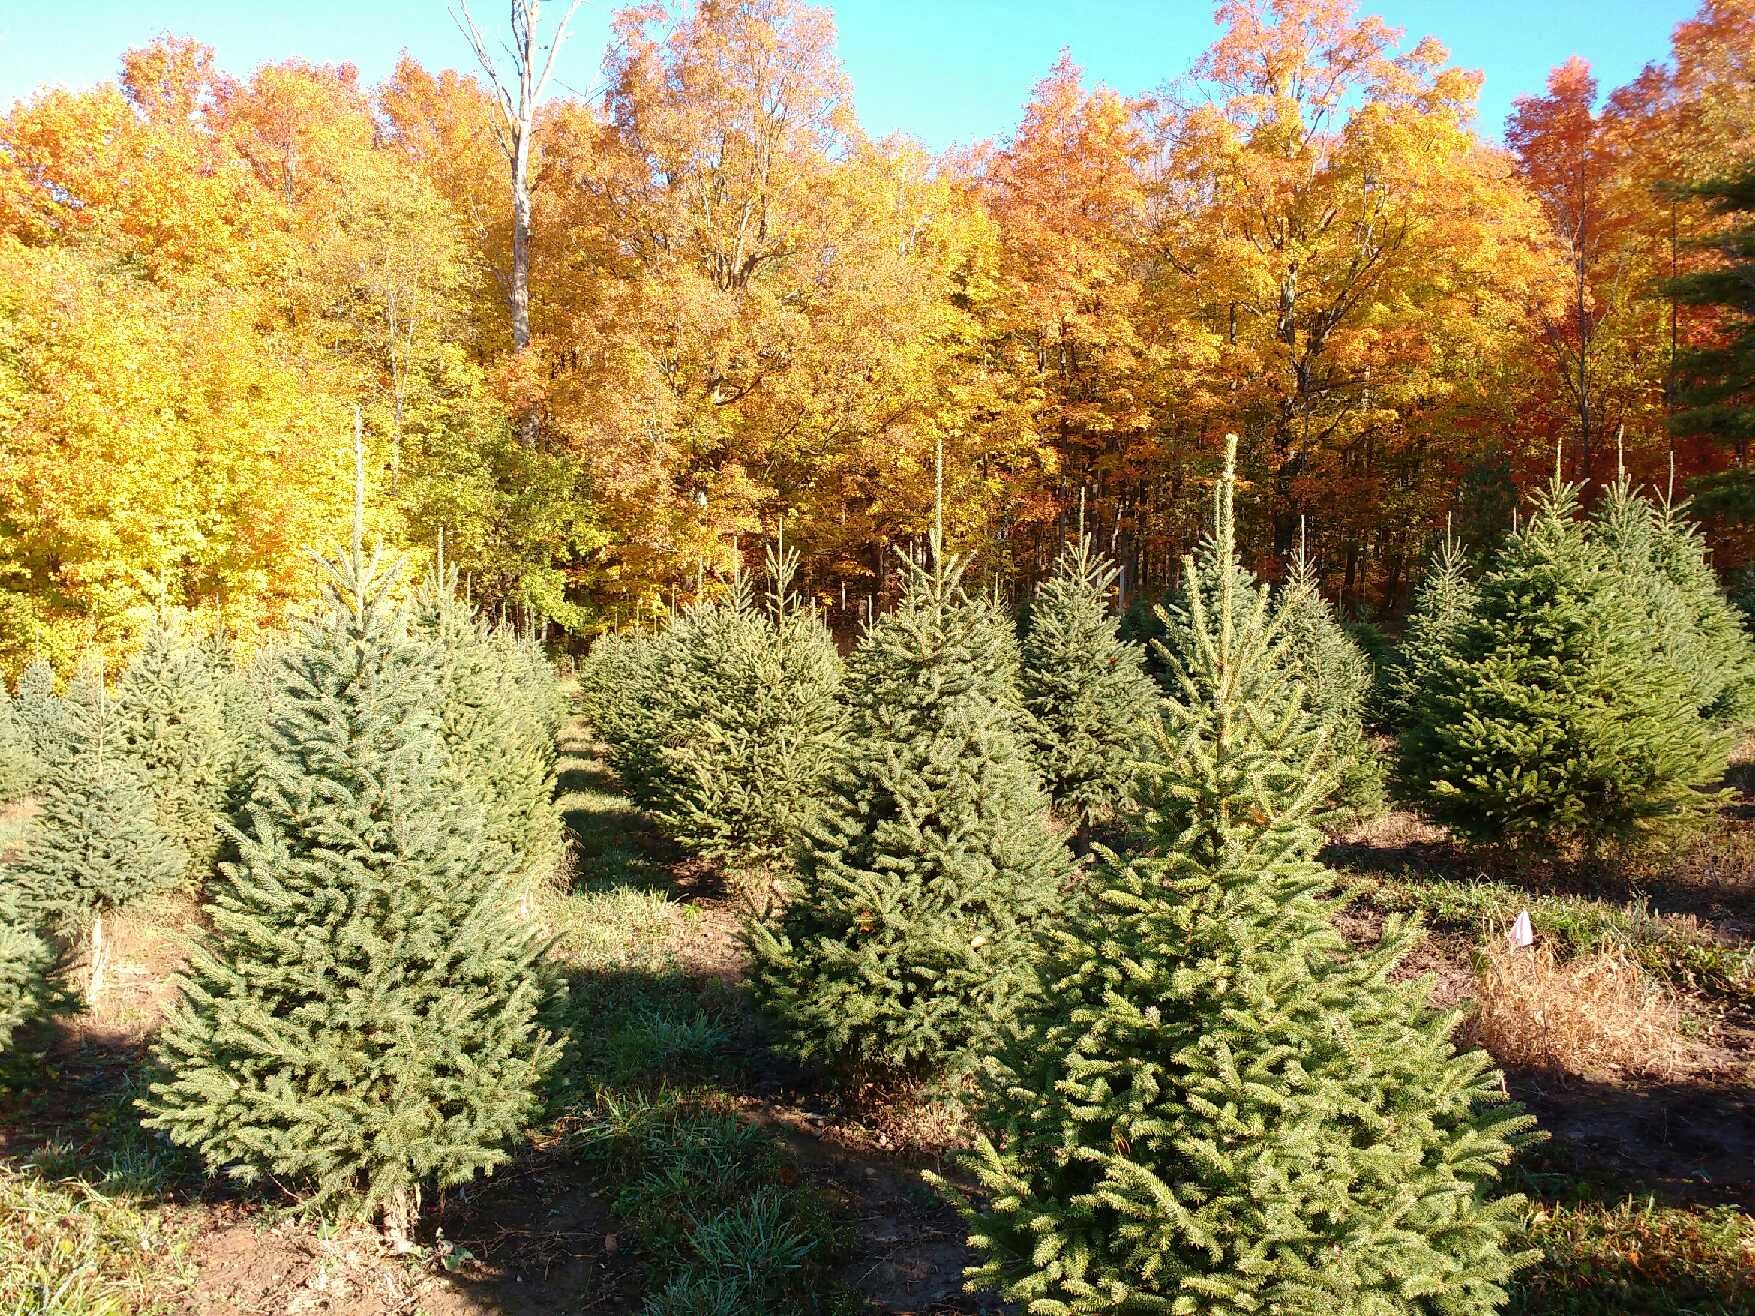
(756, 727)
(28, 988)
(1214, 1107)
(1092, 704)
(18, 754)
(361, 1019)
(909, 936)
(95, 843)
(497, 735)
(1559, 718)
(1338, 681)
(1442, 607)
(172, 721)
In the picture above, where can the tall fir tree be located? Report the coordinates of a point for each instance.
(908, 937)
(757, 725)
(1338, 681)
(1559, 719)
(361, 1018)
(1213, 1106)
(1716, 380)
(1092, 703)
(95, 843)
(498, 738)
(172, 722)
(1442, 606)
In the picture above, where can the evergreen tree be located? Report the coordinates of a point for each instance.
(95, 843)
(1559, 718)
(361, 1019)
(1092, 704)
(18, 755)
(28, 989)
(496, 730)
(1442, 606)
(38, 708)
(1717, 381)
(756, 726)
(1727, 653)
(1334, 673)
(172, 723)
(631, 686)
(1338, 680)
(908, 937)
(1213, 1106)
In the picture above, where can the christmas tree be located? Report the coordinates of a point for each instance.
(756, 725)
(95, 843)
(172, 723)
(1559, 719)
(630, 688)
(27, 968)
(1086, 689)
(1715, 631)
(496, 731)
(361, 1019)
(1338, 680)
(1213, 1106)
(1442, 606)
(38, 708)
(908, 936)
(18, 754)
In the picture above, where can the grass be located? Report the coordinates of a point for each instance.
(69, 1247)
(1678, 950)
(714, 1202)
(1637, 1256)
(1595, 1014)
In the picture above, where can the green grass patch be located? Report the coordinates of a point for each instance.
(74, 1248)
(716, 1205)
(1635, 1256)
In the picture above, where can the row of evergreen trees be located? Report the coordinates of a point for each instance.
(1191, 1096)
(360, 1011)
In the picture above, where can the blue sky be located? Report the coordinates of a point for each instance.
(945, 71)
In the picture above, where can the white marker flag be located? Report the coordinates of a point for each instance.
(1521, 934)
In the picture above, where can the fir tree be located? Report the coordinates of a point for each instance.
(1559, 718)
(1716, 381)
(172, 723)
(756, 726)
(28, 989)
(630, 687)
(18, 755)
(908, 937)
(1338, 680)
(361, 1020)
(1092, 704)
(95, 843)
(1442, 606)
(1213, 1106)
(1715, 623)
(498, 736)
(38, 708)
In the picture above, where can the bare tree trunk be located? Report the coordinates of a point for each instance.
(518, 95)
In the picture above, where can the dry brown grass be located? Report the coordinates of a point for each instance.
(1597, 1015)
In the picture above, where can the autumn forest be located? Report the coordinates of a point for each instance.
(738, 312)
